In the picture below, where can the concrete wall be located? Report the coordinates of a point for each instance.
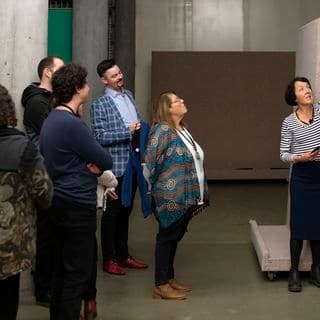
(182, 25)
(23, 42)
(218, 25)
(271, 25)
(124, 51)
(90, 31)
(308, 55)
(309, 10)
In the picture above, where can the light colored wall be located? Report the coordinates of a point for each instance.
(309, 10)
(308, 55)
(23, 43)
(217, 25)
(90, 32)
(271, 25)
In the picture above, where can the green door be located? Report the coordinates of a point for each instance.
(60, 33)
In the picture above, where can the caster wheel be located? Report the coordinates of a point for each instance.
(271, 275)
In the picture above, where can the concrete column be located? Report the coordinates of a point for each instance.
(90, 35)
(23, 43)
(124, 52)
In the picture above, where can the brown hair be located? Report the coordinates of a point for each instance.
(161, 110)
(7, 110)
(47, 62)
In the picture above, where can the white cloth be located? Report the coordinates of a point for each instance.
(197, 162)
(107, 181)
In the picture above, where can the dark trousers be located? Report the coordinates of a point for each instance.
(166, 246)
(91, 292)
(42, 276)
(74, 228)
(115, 226)
(9, 292)
(43, 268)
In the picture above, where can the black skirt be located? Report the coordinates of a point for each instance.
(305, 201)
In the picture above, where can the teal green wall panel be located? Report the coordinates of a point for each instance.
(60, 33)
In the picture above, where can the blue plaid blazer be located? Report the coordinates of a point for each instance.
(110, 131)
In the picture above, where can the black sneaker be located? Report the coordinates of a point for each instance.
(294, 283)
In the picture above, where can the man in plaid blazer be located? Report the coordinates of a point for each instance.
(115, 123)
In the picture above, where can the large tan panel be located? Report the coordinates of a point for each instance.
(235, 106)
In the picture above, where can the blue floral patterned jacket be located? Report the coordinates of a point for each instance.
(170, 170)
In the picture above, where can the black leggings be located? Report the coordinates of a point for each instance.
(166, 246)
(295, 252)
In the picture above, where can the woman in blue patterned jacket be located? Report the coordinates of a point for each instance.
(174, 170)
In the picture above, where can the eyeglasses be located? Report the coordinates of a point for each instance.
(177, 100)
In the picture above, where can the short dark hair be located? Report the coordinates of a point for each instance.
(66, 81)
(104, 65)
(290, 95)
(47, 62)
(7, 109)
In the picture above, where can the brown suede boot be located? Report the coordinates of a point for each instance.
(179, 286)
(165, 291)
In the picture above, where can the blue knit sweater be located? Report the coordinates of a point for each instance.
(68, 146)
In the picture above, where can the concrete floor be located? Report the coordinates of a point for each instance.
(216, 258)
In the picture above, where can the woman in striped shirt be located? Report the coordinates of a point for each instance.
(300, 139)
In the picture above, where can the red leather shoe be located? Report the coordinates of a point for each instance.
(113, 267)
(90, 309)
(134, 264)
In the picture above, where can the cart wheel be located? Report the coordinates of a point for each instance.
(271, 275)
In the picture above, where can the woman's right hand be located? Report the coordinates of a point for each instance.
(305, 157)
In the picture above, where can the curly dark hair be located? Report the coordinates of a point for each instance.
(66, 81)
(7, 109)
(290, 95)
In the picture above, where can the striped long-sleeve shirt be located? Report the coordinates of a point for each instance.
(297, 138)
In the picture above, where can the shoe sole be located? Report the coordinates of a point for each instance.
(43, 304)
(159, 296)
(314, 282)
(294, 289)
(115, 274)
